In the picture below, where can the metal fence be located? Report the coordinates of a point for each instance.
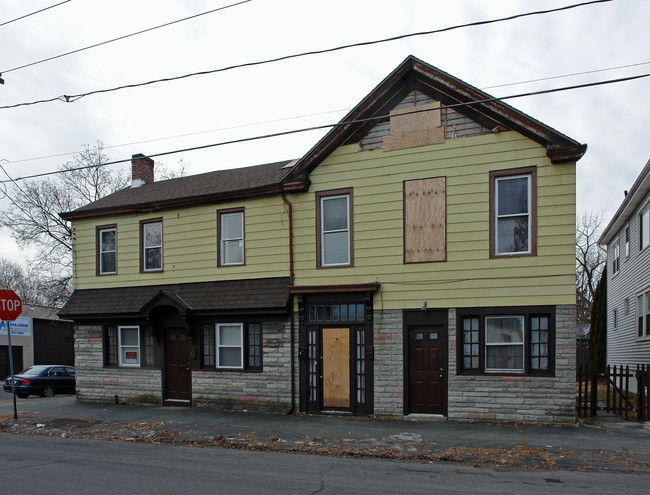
(622, 390)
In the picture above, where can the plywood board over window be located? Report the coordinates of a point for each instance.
(409, 129)
(425, 220)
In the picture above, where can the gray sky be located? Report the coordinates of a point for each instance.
(613, 120)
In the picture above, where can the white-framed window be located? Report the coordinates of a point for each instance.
(231, 237)
(107, 250)
(644, 227)
(504, 343)
(512, 215)
(643, 314)
(616, 261)
(230, 345)
(129, 345)
(152, 246)
(335, 230)
(627, 241)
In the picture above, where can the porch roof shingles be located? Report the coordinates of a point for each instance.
(259, 295)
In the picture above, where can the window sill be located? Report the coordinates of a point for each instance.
(226, 370)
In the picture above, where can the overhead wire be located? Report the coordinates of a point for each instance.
(341, 124)
(33, 13)
(125, 36)
(72, 98)
(251, 124)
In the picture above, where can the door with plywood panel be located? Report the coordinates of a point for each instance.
(336, 368)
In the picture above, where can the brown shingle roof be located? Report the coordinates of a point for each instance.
(211, 186)
(266, 295)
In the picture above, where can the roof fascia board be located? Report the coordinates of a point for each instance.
(560, 148)
(634, 199)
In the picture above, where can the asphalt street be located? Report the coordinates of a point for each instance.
(63, 465)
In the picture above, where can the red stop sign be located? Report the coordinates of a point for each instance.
(10, 305)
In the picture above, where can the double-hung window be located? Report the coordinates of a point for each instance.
(643, 314)
(107, 250)
(232, 346)
(627, 241)
(513, 209)
(506, 340)
(616, 262)
(230, 229)
(334, 228)
(129, 345)
(151, 245)
(644, 227)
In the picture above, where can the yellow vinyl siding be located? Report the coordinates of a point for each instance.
(468, 277)
(189, 246)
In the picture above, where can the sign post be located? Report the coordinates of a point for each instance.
(10, 308)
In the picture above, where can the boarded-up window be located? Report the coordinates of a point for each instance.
(425, 218)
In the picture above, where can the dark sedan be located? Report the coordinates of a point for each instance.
(43, 380)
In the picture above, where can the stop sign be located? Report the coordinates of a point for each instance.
(10, 305)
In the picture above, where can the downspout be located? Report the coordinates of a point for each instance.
(291, 317)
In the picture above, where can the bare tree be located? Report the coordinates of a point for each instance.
(161, 172)
(590, 261)
(29, 285)
(34, 220)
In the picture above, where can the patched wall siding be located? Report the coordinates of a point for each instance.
(518, 398)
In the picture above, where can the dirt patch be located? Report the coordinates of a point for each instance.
(399, 447)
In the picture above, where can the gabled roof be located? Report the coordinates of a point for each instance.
(635, 197)
(260, 296)
(194, 189)
(276, 178)
(415, 74)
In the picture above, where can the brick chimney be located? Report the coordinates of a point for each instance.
(141, 170)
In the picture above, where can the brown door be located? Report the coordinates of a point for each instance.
(336, 368)
(177, 366)
(427, 362)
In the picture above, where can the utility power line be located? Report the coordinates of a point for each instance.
(124, 37)
(32, 13)
(339, 124)
(72, 98)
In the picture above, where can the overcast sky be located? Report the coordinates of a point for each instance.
(613, 120)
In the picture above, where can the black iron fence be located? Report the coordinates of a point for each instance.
(622, 390)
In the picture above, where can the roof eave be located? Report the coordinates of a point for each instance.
(636, 196)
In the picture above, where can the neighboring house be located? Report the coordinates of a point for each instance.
(627, 238)
(419, 260)
(38, 336)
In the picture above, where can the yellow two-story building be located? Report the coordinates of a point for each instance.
(418, 260)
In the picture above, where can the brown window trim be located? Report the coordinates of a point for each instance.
(223, 212)
(98, 230)
(527, 312)
(324, 194)
(141, 245)
(494, 174)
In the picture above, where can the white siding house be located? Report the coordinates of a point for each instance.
(627, 238)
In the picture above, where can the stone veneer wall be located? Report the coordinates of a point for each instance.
(98, 384)
(388, 363)
(518, 398)
(269, 390)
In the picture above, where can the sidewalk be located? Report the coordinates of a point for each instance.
(605, 444)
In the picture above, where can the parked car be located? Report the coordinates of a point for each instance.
(43, 380)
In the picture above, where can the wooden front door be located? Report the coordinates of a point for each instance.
(336, 368)
(427, 360)
(177, 366)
